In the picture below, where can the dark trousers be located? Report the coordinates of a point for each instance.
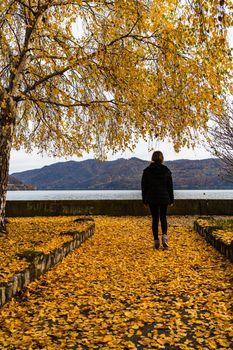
(158, 211)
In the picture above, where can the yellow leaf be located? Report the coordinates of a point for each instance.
(108, 338)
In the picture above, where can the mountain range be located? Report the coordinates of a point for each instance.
(124, 174)
(17, 185)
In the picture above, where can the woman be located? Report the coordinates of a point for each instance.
(157, 193)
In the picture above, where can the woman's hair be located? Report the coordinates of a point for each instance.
(157, 157)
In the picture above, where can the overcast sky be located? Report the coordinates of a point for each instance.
(21, 161)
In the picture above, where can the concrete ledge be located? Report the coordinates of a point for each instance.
(40, 263)
(207, 232)
(115, 207)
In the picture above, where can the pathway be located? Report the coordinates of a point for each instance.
(116, 292)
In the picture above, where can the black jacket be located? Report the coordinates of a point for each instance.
(157, 187)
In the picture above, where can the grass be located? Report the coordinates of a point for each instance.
(225, 224)
(40, 234)
(117, 292)
(223, 228)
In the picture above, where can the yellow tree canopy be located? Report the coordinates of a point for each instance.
(97, 75)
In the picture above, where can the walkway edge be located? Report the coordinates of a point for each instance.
(207, 232)
(41, 263)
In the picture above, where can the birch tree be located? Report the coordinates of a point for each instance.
(134, 69)
(221, 140)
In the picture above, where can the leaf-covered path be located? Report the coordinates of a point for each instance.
(116, 292)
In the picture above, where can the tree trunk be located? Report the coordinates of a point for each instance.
(6, 134)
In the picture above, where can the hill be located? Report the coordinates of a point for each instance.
(16, 185)
(124, 174)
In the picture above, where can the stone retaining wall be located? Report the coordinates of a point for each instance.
(40, 263)
(114, 207)
(207, 232)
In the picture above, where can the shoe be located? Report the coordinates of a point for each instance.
(165, 241)
(157, 244)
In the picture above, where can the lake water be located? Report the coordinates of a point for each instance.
(113, 194)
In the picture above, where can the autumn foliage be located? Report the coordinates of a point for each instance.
(77, 75)
(221, 229)
(96, 75)
(116, 292)
(40, 234)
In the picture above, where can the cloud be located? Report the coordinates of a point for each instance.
(21, 161)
